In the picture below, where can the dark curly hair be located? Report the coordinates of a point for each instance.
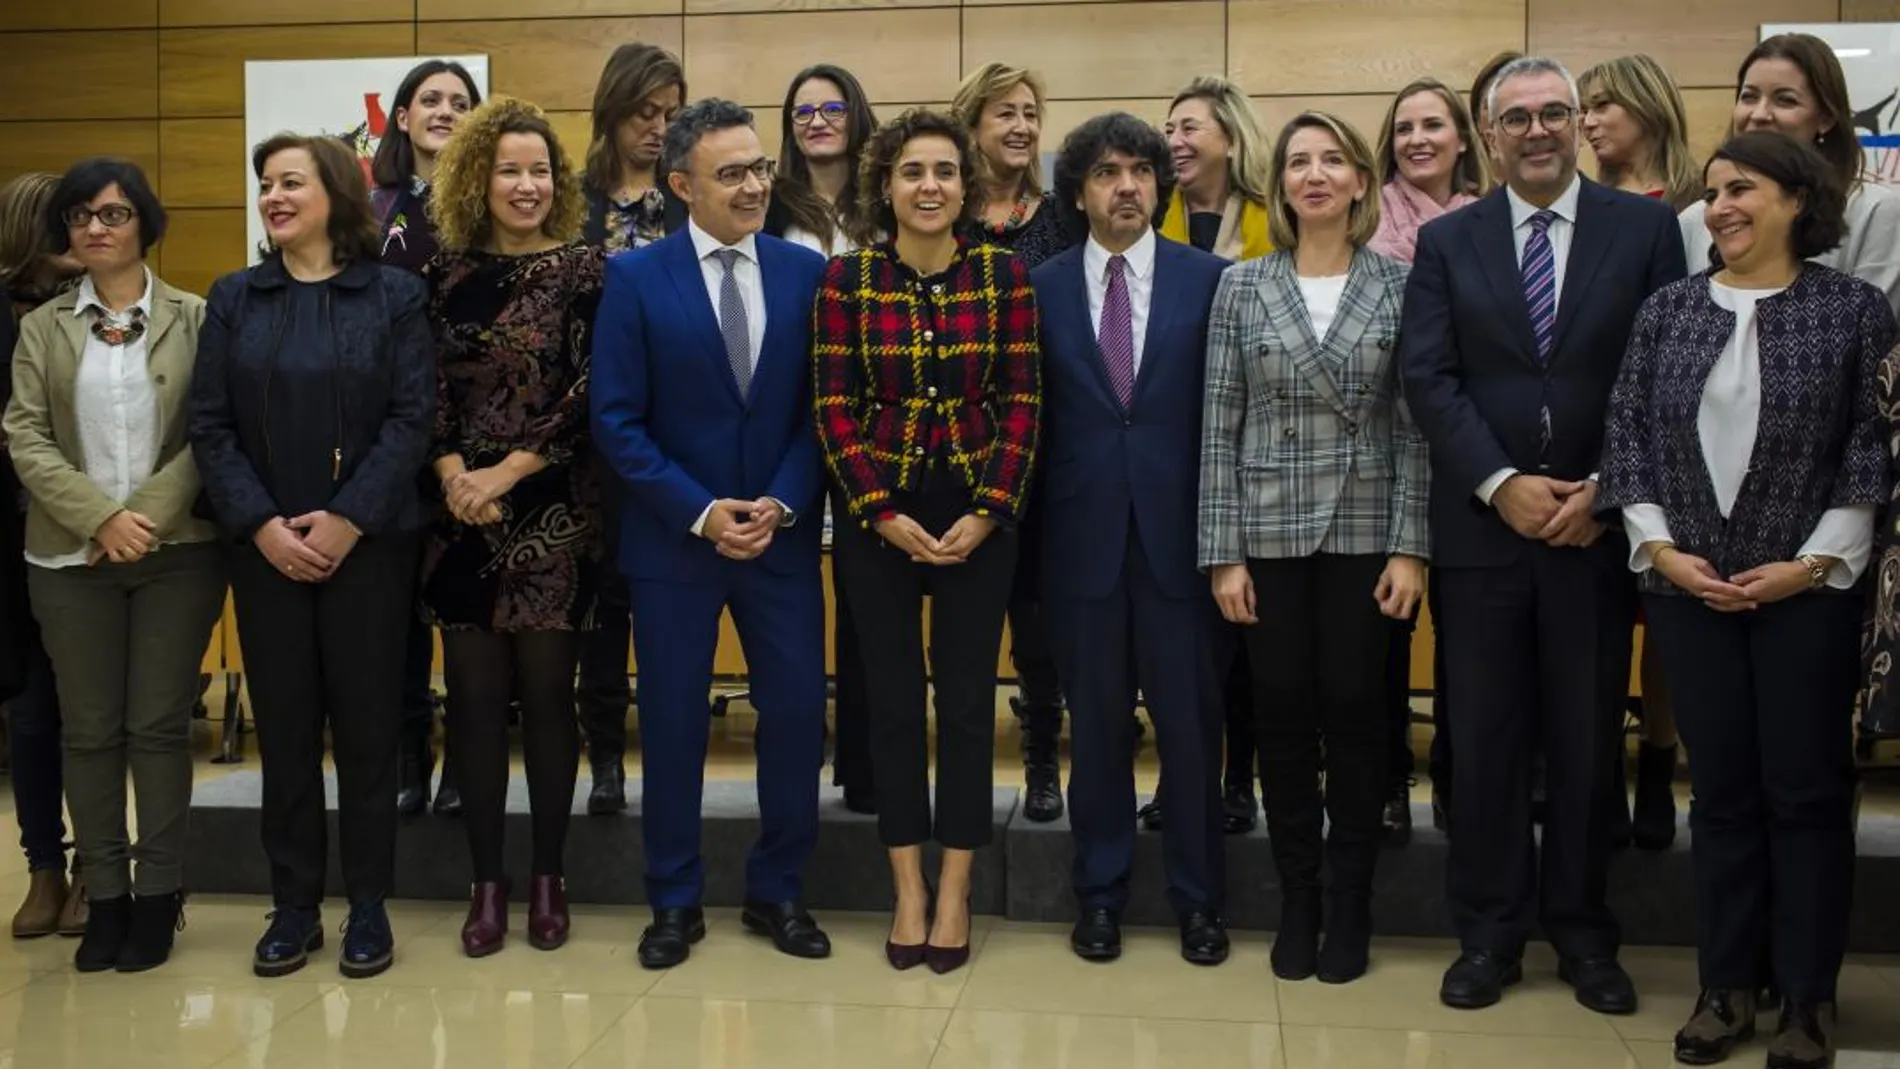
(1085, 147)
(1801, 172)
(880, 159)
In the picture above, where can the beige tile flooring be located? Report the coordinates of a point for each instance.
(1023, 1002)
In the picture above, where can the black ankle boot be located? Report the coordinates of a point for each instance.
(1348, 937)
(1296, 943)
(413, 773)
(1042, 771)
(1653, 827)
(156, 920)
(106, 929)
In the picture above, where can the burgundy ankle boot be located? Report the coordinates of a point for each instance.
(487, 926)
(547, 912)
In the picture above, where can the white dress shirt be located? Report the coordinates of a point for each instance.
(1321, 297)
(1140, 276)
(745, 271)
(115, 409)
(1559, 232)
(1726, 424)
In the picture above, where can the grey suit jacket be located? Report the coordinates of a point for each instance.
(1306, 444)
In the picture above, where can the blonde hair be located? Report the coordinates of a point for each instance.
(1641, 87)
(1469, 175)
(985, 86)
(1362, 220)
(459, 201)
(1250, 168)
(23, 244)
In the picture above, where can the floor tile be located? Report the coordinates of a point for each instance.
(686, 1033)
(733, 964)
(139, 1023)
(1365, 1048)
(354, 1026)
(1667, 984)
(1029, 967)
(598, 958)
(999, 1039)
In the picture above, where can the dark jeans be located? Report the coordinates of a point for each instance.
(1765, 702)
(33, 728)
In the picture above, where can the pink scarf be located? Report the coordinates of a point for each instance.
(1402, 210)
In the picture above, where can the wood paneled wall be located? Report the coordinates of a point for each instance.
(161, 81)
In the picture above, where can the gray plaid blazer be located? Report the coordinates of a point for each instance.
(1306, 445)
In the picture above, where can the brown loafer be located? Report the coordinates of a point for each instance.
(46, 894)
(72, 918)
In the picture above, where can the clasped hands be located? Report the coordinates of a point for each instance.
(309, 548)
(474, 496)
(1552, 511)
(955, 547)
(125, 537)
(741, 530)
(1758, 586)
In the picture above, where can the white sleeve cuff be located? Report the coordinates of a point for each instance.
(1490, 486)
(699, 526)
(1644, 524)
(1846, 534)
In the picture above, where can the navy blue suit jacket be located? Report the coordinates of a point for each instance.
(668, 417)
(1102, 462)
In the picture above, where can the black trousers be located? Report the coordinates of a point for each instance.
(1399, 762)
(605, 691)
(418, 699)
(1038, 686)
(1539, 648)
(1765, 702)
(1240, 716)
(851, 735)
(967, 601)
(1439, 759)
(1318, 656)
(328, 654)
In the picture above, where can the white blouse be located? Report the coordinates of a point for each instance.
(1322, 297)
(1726, 424)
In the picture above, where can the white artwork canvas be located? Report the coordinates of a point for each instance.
(346, 98)
(1870, 57)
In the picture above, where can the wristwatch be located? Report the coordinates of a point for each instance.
(1817, 569)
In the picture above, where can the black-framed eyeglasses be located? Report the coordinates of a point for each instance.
(1555, 118)
(733, 175)
(834, 112)
(113, 216)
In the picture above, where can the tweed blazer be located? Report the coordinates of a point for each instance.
(1306, 444)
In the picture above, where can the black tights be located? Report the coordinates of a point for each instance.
(483, 669)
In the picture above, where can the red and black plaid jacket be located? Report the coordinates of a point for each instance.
(911, 369)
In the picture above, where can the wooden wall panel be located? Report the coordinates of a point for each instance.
(897, 55)
(201, 72)
(574, 128)
(281, 12)
(1365, 111)
(96, 15)
(1365, 46)
(1699, 43)
(1113, 50)
(733, 7)
(201, 160)
(110, 74)
(202, 244)
(444, 10)
(1870, 10)
(553, 62)
(55, 146)
(1062, 116)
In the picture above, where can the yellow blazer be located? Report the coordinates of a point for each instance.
(1243, 228)
(65, 508)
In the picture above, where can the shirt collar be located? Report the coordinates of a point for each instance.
(1565, 206)
(88, 298)
(1140, 256)
(704, 244)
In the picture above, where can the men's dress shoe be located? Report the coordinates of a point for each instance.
(610, 789)
(1397, 817)
(1238, 810)
(1295, 954)
(1601, 984)
(72, 917)
(156, 921)
(792, 929)
(1097, 936)
(1653, 821)
(1203, 937)
(1804, 1039)
(106, 932)
(448, 795)
(548, 920)
(46, 893)
(1042, 791)
(1348, 948)
(486, 929)
(1722, 1020)
(369, 946)
(670, 938)
(861, 800)
(413, 773)
(1478, 979)
(1149, 816)
(294, 934)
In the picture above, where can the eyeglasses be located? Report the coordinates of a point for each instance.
(733, 175)
(1554, 117)
(834, 112)
(112, 215)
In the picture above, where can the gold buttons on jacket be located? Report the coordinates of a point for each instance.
(932, 392)
(930, 335)
(919, 451)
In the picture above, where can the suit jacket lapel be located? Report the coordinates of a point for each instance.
(780, 312)
(1589, 240)
(1288, 318)
(1072, 308)
(696, 303)
(1163, 295)
(1496, 252)
(1356, 308)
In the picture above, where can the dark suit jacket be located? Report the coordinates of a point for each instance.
(669, 420)
(1472, 376)
(1102, 462)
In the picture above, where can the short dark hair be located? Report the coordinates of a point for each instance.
(880, 158)
(395, 162)
(1801, 172)
(354, 232)
(87, 179)
(1839, 145)
(692, 124)
(1085, 146)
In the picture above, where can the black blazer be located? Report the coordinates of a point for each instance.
(1472, 377)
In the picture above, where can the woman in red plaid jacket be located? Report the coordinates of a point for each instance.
(927, 393)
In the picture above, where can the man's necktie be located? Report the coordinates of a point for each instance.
(733, 326)
(1117, 333)
(1540, 282)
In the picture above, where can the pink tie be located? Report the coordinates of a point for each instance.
(1117, 333)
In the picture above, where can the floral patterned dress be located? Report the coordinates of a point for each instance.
(513, 342)
(1880, 645)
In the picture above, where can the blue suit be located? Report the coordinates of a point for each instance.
(669, 419)
(1128, 609)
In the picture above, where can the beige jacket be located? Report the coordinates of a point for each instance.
(65, 507)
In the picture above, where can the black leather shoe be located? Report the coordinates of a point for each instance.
(670, 938)
(1097, 936)
(1805, 1037)
(1042, 791)
(294, 934)
(792, 929)
(1348, 948)
(1203, 937)
(1149, 816)
(1239, 812)
(1295, 954)
(448, 796)
(369, 947)
(1397, 817)
(1478, 979)
(1601, 984)
(156, 920)
(610, 788)
(413, 774)
(107, 928)
(1722, 1020)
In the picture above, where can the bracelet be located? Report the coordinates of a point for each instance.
(1818, 568)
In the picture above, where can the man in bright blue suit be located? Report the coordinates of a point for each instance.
(702, 405)
(1124, 341)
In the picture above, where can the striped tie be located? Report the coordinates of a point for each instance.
(1116, 335)
(1540, 282)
